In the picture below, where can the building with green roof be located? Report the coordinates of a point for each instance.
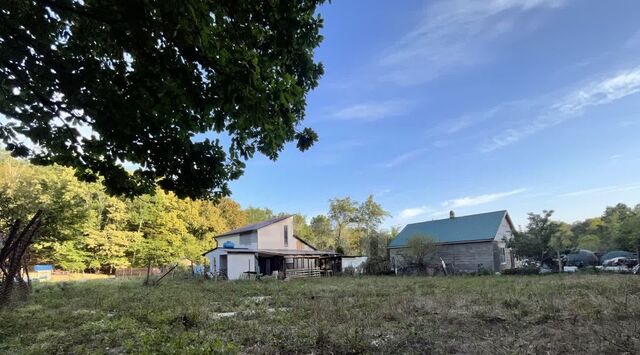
(466, 244)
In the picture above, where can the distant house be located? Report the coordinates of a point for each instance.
(466, 244)
(265, 247)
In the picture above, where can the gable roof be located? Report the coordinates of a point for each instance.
(464, 229)
(254, 226)
(305, 242)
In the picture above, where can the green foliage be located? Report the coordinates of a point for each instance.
(421, 251)
(321, 232)
(617, 229)
(589, 242)
(368, 218)
(84, 228)
(301, 228)
(349, 227)
(534, 243)
(521, 271)
(255, 215)
(69, 256)
(95, 83)
(561, 237)
(342, 211)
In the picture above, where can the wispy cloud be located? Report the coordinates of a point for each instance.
(480, 199)
(454, 33)
(469, 120)
(468, 201)
(628, 123)
(382, 192)
(573, 104)
(634, 41)
(372, 111)
(603, 189)
(409, 213)
(404, 157)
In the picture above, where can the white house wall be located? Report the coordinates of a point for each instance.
(238, 263)
(272, 236)
(214, 259)
(356, 262)
(504, 233)
(248, 240)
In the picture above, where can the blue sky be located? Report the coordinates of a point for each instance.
(474, 106)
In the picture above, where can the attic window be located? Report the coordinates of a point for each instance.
(286, 236)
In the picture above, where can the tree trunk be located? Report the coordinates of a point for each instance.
(12, 259)
(559, 262)
(146, 281)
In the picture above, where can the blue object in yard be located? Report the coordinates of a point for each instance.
(198, 269)
(228, 245)
(43, 268)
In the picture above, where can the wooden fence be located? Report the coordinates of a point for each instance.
(140, 271)
(298, 273)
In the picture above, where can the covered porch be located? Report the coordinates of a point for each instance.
(297, 263)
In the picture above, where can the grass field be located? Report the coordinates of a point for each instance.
(492, 314)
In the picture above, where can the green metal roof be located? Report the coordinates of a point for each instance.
(453, 230)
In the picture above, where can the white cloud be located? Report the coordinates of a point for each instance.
(469, 120)
(454, 33)
(409, 213)
(430, 212)
(480, 199)
(404, 157)
(573, 104)
(603, 189)
(602, 92)
(371, 111)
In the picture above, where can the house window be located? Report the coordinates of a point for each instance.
(503, 256)
(286, 236)
(245, 239)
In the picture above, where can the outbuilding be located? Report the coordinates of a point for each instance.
(466, 244)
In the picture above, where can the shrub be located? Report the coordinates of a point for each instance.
(520, 271)
(377, 265)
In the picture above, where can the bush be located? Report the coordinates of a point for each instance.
(377, 265)
(349, 271)
(521, 271)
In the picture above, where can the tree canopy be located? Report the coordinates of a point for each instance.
(617, 229)
(86, 229)
(97, 84)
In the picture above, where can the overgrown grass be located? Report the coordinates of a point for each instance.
(494, 315)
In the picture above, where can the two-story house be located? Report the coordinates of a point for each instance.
(265, 247)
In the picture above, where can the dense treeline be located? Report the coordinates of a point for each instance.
(618, 228)
(85, 229)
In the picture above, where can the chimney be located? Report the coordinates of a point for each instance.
(452, 214)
